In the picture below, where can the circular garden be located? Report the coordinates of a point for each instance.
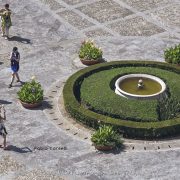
(90, 98)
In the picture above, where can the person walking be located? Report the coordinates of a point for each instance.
(5, 21)
(3, 131)
(15, 58)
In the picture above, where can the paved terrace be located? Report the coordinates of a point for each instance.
(48, 34)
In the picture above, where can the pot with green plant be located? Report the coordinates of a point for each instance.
(31, 94)
(105, 138)
(172, 55)
(89, 53)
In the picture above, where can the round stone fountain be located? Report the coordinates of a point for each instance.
(140, 86)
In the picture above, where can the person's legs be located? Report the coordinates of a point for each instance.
(12, 79)
(4, 136)
(3, 30)
(1, 135)
(6, 32)
(17, 76)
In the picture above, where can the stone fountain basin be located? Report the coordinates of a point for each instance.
(125, 94)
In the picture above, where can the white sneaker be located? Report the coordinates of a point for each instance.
(2, 35)
(6, 37)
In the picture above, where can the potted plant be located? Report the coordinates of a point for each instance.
(172, 54)
(31, 94)
(89, 54)
(105, 138)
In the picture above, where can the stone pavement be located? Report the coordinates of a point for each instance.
(48, 34)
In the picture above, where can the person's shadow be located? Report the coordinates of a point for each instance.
(5, 102)
(19, 84)
(20, 39)
(17, 149)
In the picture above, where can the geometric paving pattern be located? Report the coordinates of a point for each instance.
(169, 16)
(97, 32)
(136, 26)
(143, 5)
(48, 34)
(74, 2)
(54, 5)
(105, 10)
(75, 19)
(102, 18)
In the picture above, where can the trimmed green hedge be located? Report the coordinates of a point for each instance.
(145, 130)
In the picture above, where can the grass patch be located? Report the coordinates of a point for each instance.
(97, 93)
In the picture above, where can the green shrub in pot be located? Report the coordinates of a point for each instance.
(31, 92)
(106, 136)
(89, 51)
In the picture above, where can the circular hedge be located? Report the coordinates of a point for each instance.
(89, 97)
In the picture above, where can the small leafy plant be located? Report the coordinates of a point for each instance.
(106, 136)
(172, 54)
(88, 51)
(31, 92)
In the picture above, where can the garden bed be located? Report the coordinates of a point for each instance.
(89, 97)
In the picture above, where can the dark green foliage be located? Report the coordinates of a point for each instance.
(106, 136)
(31, 92)
(172, 54)
(145, 130)
(169, 108)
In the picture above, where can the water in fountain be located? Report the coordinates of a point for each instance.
(144, 86)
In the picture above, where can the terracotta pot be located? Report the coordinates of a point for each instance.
(104, 148)
(90, 62)
(30, 105)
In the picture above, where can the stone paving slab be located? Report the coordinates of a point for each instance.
(74, 2)
(97, 33)
(143, 5)
(105, 10)
(168, 16)
(49, 44)
(75, 19)
(136, 26)
(54, 5)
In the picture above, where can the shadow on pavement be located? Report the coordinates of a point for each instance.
(20, 39)
(17, 149)
(114, 151)
(1, 63)
(19, 84)
(5, 102)
(45, 105)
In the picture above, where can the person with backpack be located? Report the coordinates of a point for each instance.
(5, 21)
(15, 58)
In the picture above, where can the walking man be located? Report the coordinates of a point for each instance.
(5, 21)
(15, 58)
